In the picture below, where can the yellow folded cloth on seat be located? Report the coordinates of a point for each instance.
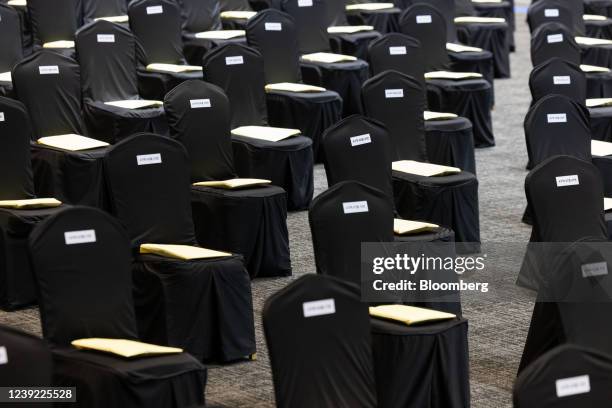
(184, 252)
(71, 142)
(293, 87)
(238, 14)
(6, 77)
(349, 29)
(234, 183)
(220, 34)
(593, 68)
(607, 204)
(409, 315)
(30, 204)
(124, 348)
(271, 134)
(423, 169)
(407, 227)
(370, 6)
(597, 102)
(472, 19)
(592, 41)
(59, 44)
(328, 57)
(487, 1)
(601, 149)
(134, 103)
(451, 75)
(461, 48)
(593, 17)
(172, 67)
(114, 19)
(17, 3)
(428, 115)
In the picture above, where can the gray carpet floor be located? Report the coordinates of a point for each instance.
(497, 323)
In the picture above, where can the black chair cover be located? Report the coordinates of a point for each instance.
(93, 9)
(335, 356)
(598, 7)
(383, 21)
(84, 293)
(432, 33)
(552, 40)
(107, 57)
(54, 21)
(205, 304)
(557, 76)
(355, 44)
(251, 221)
(542, 12)
(287, 163)
(575, 8)
(599, 29)
(10, 43)
(398, 52)
(537, 385)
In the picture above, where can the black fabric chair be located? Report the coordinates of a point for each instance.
(107, 57)
(11, 44)
(26, 362)
(205, 304)
(82, 260)
(557, 76)
(54, 21)
(157, 26)
(470, 98)
(546, 11)
(575, 10)
(95, 9)
(383, 20)
(346, 78)
(250, 221)
(552, 40)
(598, 7)
(239, 71)
(325, 319)
(585, 377)
(49, 85)
(311, 112)
(238, 23)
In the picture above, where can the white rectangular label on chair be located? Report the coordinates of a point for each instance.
(80, 237)
(361, 140)
(557, 118)
(564, 181)
(304, 3)
(48, 69)
(397, 50)
(199, 103)
(352, 207)
(594, 269)
(319, 307)
(1, 116)
(145, 159)
(155, 10)
(394, 93)
(106, 38)
(573, 386)
(274, 26)
(3, 355)
(562, 80)
(426, 19)
(235, 60)
(554, 38)
(551, 12)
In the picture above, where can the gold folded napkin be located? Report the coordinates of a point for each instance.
(349, 29)
(17, 3)
(124, 348)
(593, 68)
(607, 204)
(271, 134)
(407, 227)
(601, 149)
(292, 87)
(71, 142)
(220, 34)
(328, 57)
(30, 204)
(451, 75)
(461, 48)
(484, 20)
(172, 67)
(6, 77)
(233, 184)
(592, 41)
(134, 103)
(423, 169)
(598, 102)
(184, 252)
(487, 1)
(243, 15)
(370, 6)
(114, 19)
(59, 44)
(593, 17)
(409, 315)
(428, 115)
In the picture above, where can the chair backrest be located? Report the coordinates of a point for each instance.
(148, 183)
(336, 13)
(10, 38)
(311, 21)
(235, 5)
(82, 264)
(93, 9)
(465, 8)
(398, 52)
(17, 181)
(239, 71)
(557, 76)
(343, 217)
(54, 20)
(49, 85)
(567, 376)
(318, 335)
(398, 101)
(542, 12)
(552, 40)
(200, 15)
(360, 149)
(273, 34)
(556, 125)
(198, 115)
(425, 23)
(575, 8)
(565, 195)
(107, 56)
(157, 26)
(445, 7)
